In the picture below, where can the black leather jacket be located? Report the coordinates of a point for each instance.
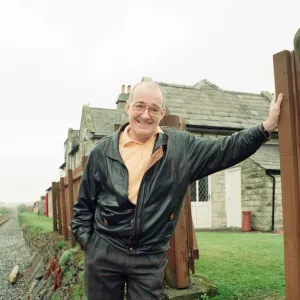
(102, 204)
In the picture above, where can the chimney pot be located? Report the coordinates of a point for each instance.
(128, 89)
(123, 89)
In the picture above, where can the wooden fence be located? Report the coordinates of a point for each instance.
(183, 246)
(64, 195)
(287, 81)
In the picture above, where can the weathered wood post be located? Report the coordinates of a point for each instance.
(83, 162)
(58, 203)
(63, 208)
(54, 207)
(287, 81)
(71, 203)
(179, 256)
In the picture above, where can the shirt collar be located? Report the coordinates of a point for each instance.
(125, 138)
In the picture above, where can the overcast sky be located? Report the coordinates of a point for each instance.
(56, 56)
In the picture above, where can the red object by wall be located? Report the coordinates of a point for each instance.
(246, 225)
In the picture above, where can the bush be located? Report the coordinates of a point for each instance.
(22, 208)
(4, 211)
(61, 244)
(66, 257)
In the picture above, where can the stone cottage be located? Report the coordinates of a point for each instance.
(209, 112)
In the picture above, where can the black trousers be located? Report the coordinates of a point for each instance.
(107, 268)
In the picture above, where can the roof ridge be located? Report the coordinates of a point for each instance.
(176, 85)
(100, 108)
(243, 93)
(195, 87)
(204, 81)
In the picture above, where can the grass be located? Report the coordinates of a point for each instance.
(243, 265)
(37, 223)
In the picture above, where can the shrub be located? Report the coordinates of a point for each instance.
(61, 244)
(66, 257)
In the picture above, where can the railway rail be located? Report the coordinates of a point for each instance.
(5, 218)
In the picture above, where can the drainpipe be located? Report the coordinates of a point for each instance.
(273, 198)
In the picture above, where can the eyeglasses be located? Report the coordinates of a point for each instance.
(140, 107)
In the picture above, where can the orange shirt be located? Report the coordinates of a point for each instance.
(137, 158)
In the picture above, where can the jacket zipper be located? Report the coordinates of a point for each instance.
(137, 199)
(136, 208)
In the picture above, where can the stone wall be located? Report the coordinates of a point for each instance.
(218, 203)
(256, 188)
(278, 204)
(257, 193)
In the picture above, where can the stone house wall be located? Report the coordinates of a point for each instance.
(256, 187)
(256, 194)
(218, 203)
(278, 204)
(257, 191)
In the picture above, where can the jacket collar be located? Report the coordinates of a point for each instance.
(112, 148)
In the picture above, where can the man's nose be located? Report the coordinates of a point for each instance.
(145, 114)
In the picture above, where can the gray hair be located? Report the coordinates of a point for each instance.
(154, 84)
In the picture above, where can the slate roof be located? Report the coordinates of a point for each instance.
(104, 120)
(267, 156)
(203, 104)
(207, 104)
(122, 97)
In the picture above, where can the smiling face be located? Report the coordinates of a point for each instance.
(145, 110)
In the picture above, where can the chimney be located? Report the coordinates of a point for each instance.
(123, 89)
(128, 89)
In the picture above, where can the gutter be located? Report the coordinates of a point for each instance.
(219, 130)
(271, 173)
(98, 136)
(74, 150)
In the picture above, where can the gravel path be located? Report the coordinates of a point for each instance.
(12, 251)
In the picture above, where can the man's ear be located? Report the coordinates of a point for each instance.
(163, 113)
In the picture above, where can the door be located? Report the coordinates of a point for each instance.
(233, 197)
(200, 203)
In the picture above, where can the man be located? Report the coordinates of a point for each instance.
(132, 190)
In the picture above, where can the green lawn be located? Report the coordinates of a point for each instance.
(36, 222)
(243, 265)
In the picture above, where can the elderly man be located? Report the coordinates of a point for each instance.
(132, 191)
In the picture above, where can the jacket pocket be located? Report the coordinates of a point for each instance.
(91, 242)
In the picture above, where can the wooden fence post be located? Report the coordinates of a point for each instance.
(192, 240)
(177, 270)
(63, 208)
(58, 203)
(287, 81)
(54, 207)
(117, 126)
(71, 202)
(83, 162)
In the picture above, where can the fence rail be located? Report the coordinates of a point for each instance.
(64, 195)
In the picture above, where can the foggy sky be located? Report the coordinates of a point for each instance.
(56, 56)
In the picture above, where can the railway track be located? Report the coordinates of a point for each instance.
(5, 218)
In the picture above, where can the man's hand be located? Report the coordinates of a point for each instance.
(272, 121)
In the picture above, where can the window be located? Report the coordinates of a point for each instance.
(199, 190)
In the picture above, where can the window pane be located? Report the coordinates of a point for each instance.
(203, 189)
(193, 192)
